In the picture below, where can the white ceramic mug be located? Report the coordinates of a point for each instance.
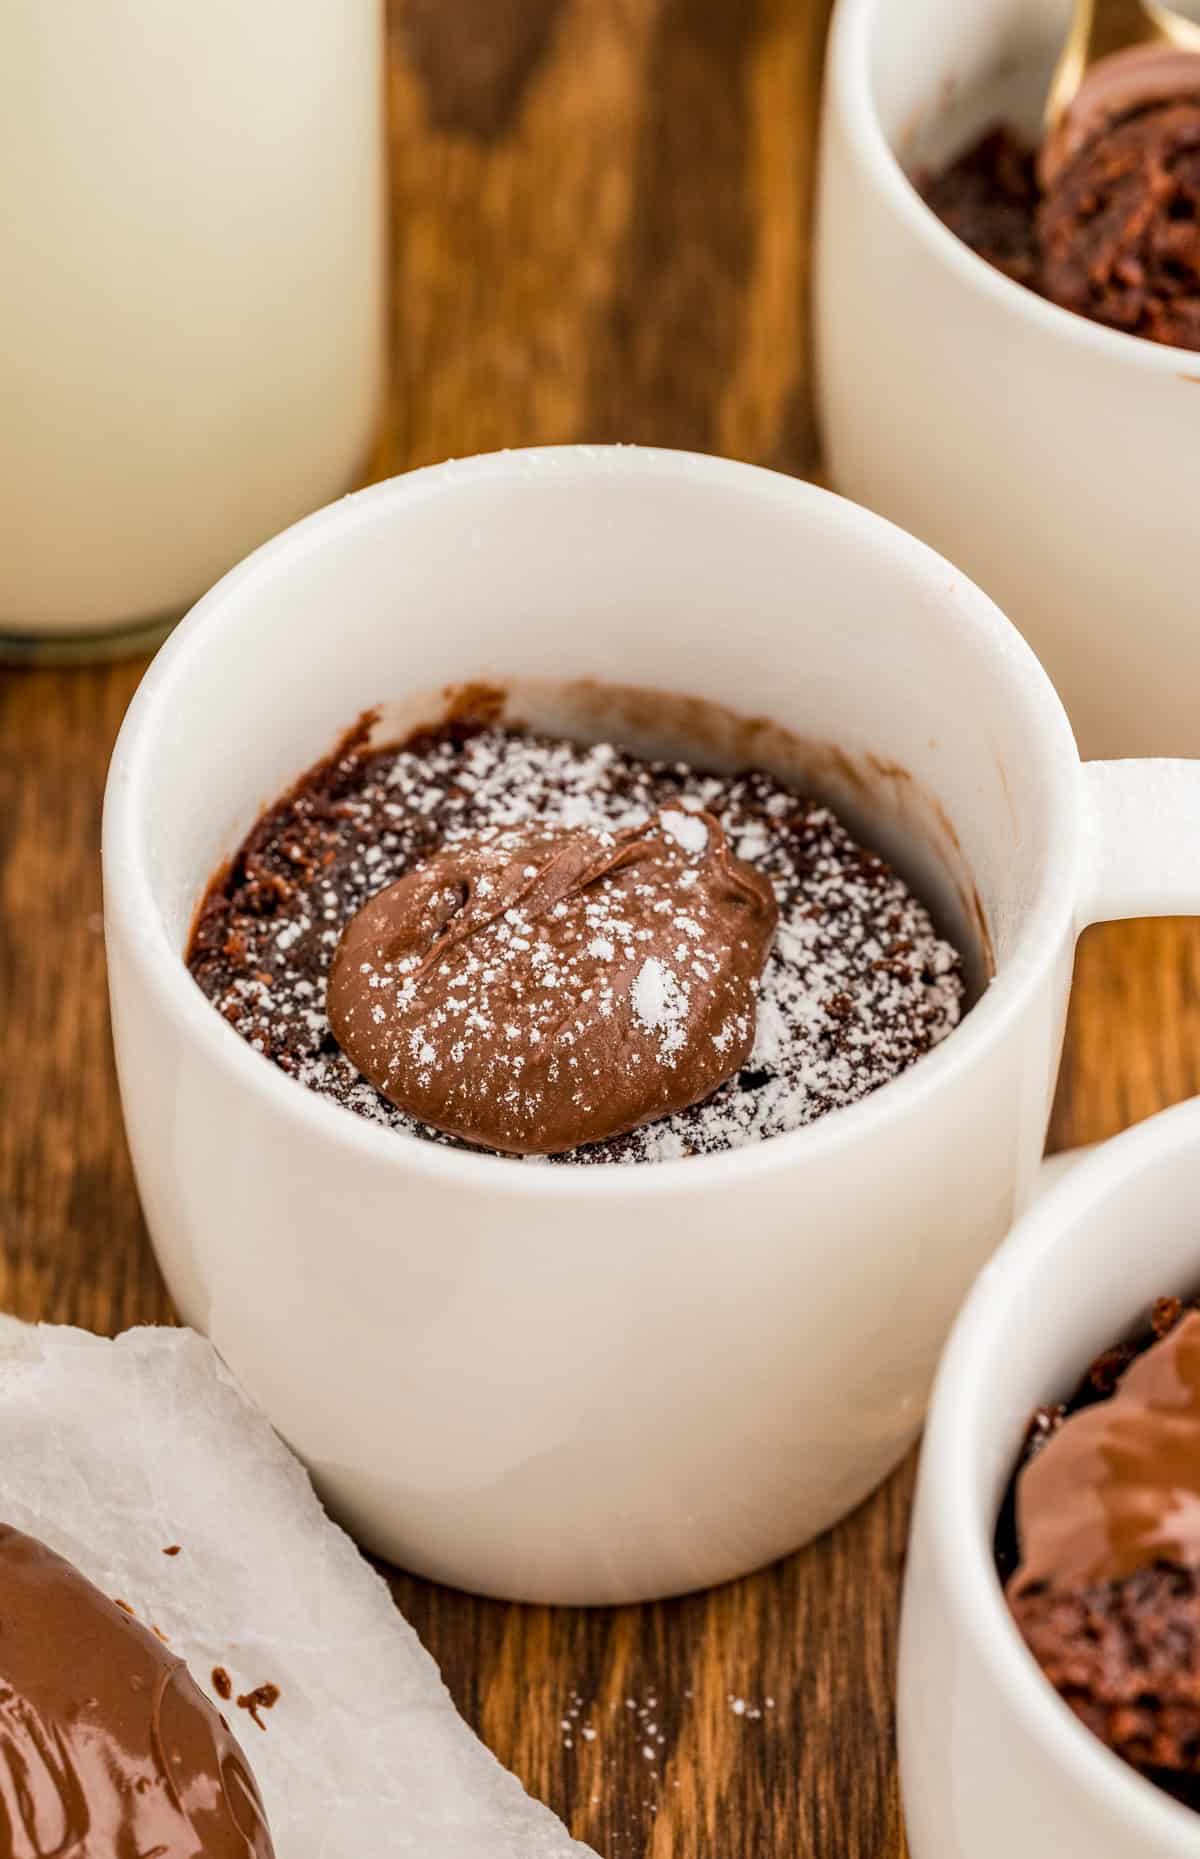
(1052, 459)
(992, 1761)
(604, 1383)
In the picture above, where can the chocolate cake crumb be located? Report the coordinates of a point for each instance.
(262, 1698)
(1119, 231)
(988, 198)
(222, 1683)
(1125, 1656)
(1168, 1313)
(857, 986)
(1108, 1368)
(173, 1550)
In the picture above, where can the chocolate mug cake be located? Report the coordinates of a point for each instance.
(1105, 219)
(1098, 1544)
(491, 936)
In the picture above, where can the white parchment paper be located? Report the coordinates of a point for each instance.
(112, 1452)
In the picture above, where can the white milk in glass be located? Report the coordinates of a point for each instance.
(191, 292)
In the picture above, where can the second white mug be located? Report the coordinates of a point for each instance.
(1052, 459)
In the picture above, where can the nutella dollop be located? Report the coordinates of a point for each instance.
(108, 1750)
(537, 988)
(1117, 1487)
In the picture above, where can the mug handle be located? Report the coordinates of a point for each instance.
(1143, 840)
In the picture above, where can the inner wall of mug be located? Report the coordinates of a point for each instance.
(987, 62)
(914, 716)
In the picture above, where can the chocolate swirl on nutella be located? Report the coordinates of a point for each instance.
(534, 989)
(107, 1747)
(1117, 1487)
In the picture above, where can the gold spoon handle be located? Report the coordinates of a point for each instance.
(1111, 25)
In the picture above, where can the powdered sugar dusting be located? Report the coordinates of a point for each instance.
(685, 829)
(660, 1002)
(856, 987)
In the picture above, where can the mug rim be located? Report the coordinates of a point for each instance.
(849, 85)
(129, 895)
(961, 1536)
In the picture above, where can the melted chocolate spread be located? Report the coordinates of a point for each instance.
(1117, 1487)
(108, 1750)
(535, 989)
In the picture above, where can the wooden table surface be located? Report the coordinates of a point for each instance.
(601, 232)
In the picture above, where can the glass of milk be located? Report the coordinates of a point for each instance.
(191, 297)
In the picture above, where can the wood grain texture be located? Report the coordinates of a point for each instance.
(601, 213)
